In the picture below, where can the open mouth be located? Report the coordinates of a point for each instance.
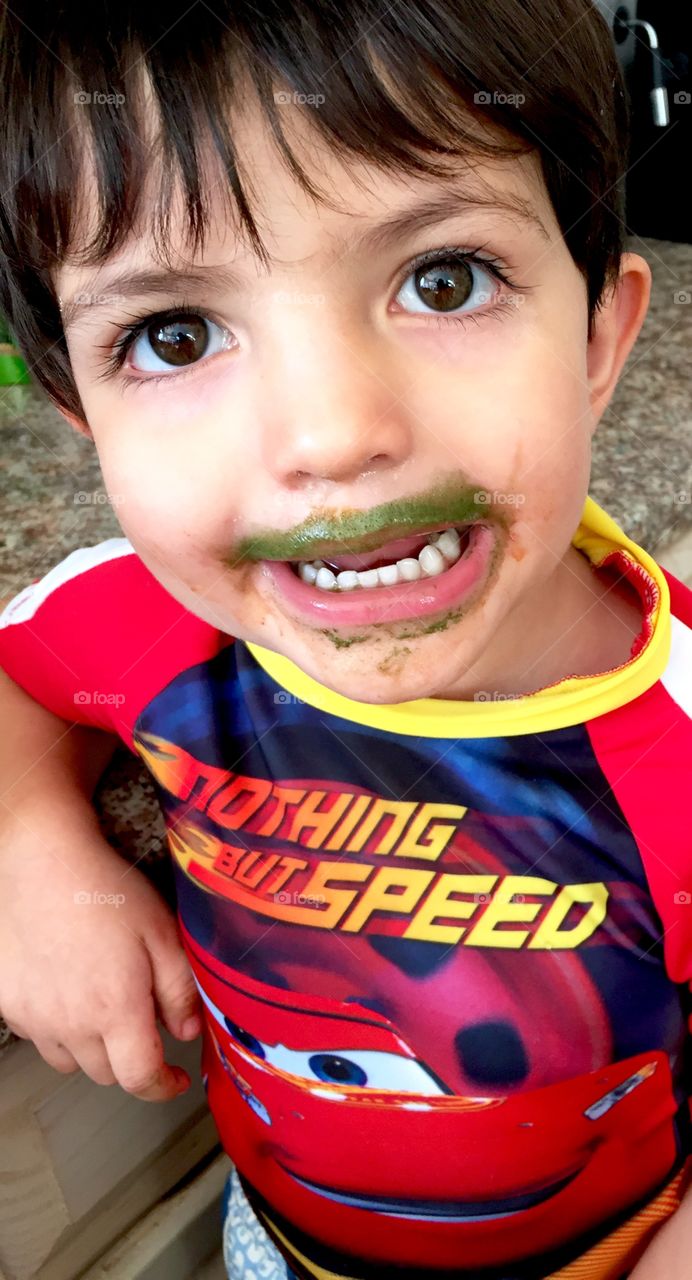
(423, 575)
(405, 560)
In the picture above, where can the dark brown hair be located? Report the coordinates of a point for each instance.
(400, 84)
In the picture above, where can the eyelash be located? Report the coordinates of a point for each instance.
(129, 333)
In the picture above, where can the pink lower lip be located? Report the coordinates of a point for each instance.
(407, 600)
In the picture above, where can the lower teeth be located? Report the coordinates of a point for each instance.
(442, 551)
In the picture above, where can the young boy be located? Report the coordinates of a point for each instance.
(340, 295)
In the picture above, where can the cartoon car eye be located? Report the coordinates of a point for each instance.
(351, 1067)
(364, 1068)
(245, 1038)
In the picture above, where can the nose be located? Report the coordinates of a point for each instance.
(333, 416)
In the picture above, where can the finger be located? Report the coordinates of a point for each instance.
(135, 1053)
(56, 1055)
(16, 1028)
(177, 998)
(92, 1056)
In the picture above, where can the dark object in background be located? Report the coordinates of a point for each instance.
(657, 203)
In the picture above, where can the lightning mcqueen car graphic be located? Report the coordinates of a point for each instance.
(350, 1135)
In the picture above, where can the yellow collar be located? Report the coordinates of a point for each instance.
(570, 701)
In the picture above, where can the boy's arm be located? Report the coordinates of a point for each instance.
(89, 951)
(39, 752)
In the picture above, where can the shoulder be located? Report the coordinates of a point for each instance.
(83, 571)
(97, 636)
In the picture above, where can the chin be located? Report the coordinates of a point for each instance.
(385, 670)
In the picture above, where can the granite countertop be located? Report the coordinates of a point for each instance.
(54, 501)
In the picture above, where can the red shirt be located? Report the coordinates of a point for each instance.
(445, 948)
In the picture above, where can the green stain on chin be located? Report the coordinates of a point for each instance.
(324, 534)
(420, 629)
(343, 642)
(394, 660)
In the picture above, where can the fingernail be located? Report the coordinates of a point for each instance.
(192, 1026)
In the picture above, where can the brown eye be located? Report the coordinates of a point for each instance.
(180, 341)
(176, 340)
(444, 285)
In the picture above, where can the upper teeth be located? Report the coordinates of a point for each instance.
(441, 550)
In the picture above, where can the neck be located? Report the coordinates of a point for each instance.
(573, 624)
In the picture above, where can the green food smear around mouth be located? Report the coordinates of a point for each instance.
(323, 535)
(421, 629)
(342, 642)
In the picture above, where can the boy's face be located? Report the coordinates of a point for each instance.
(339, 396)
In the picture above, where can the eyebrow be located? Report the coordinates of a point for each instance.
(399, 224)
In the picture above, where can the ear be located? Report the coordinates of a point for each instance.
(615, 327)
(77, 424)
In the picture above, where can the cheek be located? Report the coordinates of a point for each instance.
(525, 430)
(526, 435)
(546, 399)
(557, 463)
(168, 495)
(552, 473)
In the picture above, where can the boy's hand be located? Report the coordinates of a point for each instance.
(89, 955)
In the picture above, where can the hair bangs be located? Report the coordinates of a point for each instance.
(131, 99)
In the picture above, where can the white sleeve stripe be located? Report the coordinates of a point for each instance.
(23, 606)
(677, 677)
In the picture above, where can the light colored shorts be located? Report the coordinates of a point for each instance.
(248, 1253)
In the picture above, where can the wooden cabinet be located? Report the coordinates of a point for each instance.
(81, 1163)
